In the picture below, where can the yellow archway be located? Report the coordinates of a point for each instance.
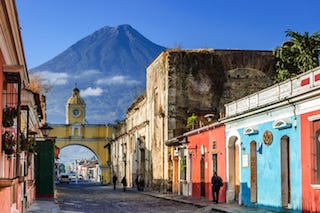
(95, 137)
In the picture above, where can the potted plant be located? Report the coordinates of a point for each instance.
(32, 144)
(8, 142)
(8, 116)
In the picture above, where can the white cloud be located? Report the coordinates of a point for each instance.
(89, 73)
(54, 78)
(91, 92)
(118, 79)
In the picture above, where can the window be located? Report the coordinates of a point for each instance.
(315, 153)
(214, 144)
(183, 168)
(317, 156)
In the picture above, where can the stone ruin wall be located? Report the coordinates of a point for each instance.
(205, 80)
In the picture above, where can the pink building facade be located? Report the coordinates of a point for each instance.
(206, 155)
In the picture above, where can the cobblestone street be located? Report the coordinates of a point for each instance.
(96, 198)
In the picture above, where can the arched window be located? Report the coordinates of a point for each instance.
(317, 156)
(315, 153)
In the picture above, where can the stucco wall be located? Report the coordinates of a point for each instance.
(206, 139)
(310, 195)
(269, 166)
(269, 159)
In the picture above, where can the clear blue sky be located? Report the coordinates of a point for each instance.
(50, 26)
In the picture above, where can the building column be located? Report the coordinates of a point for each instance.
(105, 174)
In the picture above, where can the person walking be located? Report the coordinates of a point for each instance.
(137, 182)
(124, 183)
(141, 183)
(114, 180)
(216, 184)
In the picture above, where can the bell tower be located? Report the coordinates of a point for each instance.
(75, 108)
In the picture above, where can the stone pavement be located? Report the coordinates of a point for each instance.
(51, 206)
(44, 205)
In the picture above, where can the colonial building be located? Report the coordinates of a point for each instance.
(95, 137)
(179, 83)
(272, 149)
(197, 155)
(21, 116)
(131, 146)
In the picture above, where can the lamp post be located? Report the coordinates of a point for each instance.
(45, 129)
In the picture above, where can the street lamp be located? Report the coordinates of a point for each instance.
(45, 129)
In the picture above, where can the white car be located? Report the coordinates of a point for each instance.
(73, 178)
(80, 177)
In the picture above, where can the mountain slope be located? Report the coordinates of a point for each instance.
(107, 66)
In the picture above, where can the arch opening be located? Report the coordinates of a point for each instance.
(234, 170)
(78, 162)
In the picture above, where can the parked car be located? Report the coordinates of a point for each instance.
(80, 177)
(64, 179)
(73, 178)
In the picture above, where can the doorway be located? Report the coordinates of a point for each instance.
(176, 174)
(253, 172)
(142, 161)
(214, 164)
(234, 170)
(202, 177)
(285, 172)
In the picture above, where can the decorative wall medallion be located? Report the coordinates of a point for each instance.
(267, 137)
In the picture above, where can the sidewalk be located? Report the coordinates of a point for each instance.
(50, 205)
(208, 206)
(44, 205)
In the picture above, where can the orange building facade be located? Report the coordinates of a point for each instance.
(20, 115)
(310, 160)
(206, 151)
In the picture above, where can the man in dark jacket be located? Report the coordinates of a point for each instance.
(216, 184)
(124, 183)
(114, 180)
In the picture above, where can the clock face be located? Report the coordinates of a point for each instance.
(76, 112)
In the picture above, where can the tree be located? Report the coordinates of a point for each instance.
(37, 85)
(297, 55)
(191, 121)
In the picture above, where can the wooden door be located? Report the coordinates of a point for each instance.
(285, 172)
(176, 174)
(202, 177)
(253, 172)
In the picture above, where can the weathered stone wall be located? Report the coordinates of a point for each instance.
(246, 72)
(182, 82)
(157, 107)
(204, 80)
(131, 144)
(139, 151)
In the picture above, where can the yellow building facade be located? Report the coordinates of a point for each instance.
(95, 137)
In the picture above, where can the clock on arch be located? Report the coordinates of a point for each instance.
(76, 112)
